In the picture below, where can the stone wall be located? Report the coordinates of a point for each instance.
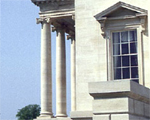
(122, 100)
(91, 51)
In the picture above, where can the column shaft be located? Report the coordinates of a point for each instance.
(46, 71)
(73, 77)
(60, 74)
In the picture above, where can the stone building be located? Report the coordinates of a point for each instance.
(110, 58)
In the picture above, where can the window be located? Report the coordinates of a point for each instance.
(124, 49)
(125, 55)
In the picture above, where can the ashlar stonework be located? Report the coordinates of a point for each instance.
(110, 58)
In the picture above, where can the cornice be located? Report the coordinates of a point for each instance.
(118, 5)
(106, 16)
(39, 2)
(58, 13)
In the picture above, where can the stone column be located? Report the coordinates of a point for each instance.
(60, 74)
(73, 76)
(46, 70)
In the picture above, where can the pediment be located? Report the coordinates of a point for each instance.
(121, 10)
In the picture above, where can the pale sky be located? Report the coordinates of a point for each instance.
(20, 57)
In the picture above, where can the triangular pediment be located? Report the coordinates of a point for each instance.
(120, 9)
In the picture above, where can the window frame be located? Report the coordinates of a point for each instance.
(121, 55)
(109, 31)
(110, 21)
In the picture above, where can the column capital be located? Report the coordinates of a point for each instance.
(71, 35)
(42, 20)
(54, 28)
(57, 25)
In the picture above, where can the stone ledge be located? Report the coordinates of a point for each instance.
(37, 2)
(48, 118)
(127, 117)
(43, 118)
(118, 117)
(101, 117)
(81, 114)
(61, 118)
(47, 5)
(119, 88)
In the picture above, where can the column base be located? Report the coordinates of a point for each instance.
(43, 118)
(61, 116)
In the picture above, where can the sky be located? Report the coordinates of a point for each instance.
(20, 58)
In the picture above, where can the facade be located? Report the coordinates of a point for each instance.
(110, 54)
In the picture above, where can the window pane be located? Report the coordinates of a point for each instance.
(124, 36)
(117, 73)
(116, 49)
(125, 49)
(125, 58)
(134, 61)
(117, 61)
(126, 73)
(134, 72)
(133, 35)
(133, 47)
(125, 61)
(116, 37)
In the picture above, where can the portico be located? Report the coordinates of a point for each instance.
(60, 18)
(109, 59)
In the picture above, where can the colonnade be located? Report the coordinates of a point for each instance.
(46, 71)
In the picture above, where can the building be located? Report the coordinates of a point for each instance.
(110, 54)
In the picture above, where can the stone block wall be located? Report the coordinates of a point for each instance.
(122, 100)
(91, 51)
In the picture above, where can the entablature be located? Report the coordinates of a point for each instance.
(48, 5)
(65, 23)
(58, 12)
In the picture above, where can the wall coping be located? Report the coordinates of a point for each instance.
(119, 88)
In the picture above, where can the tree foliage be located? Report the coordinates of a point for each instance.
(29, 112)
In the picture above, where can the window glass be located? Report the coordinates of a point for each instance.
(126, 73)
(117, 61)
(125, 60)
(125, 48)
(116, 37)
(124, 36)
(134, 72)
(117, 73)
(116, 49)
(134, 61)
(125, 57)
(133, 47)
(133, 35)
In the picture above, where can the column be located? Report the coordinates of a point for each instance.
(46, 70)
(60, 74)
(73, 76)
